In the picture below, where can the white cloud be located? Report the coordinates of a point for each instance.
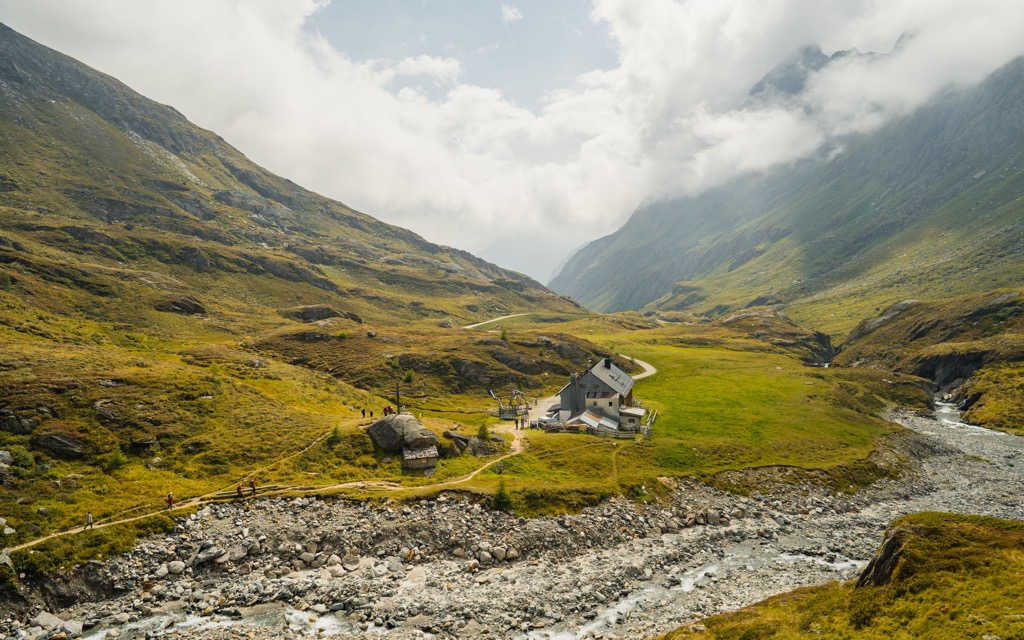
(510, 14)
(465, 166)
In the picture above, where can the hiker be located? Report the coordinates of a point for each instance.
(88, 521)
(252, 487)
(238, 490)
(364, 412)
(371, 414)
(169, 500)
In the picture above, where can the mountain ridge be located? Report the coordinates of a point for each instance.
(805, 230)
(130, 167)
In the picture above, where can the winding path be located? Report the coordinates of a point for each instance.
(480, 324)
(519, 444)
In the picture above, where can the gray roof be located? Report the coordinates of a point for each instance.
(617, 379)
(419, 454)
(592, 419)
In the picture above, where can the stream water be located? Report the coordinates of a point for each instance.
(978, 471)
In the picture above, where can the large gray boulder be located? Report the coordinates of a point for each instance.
(60, 445)
(18, 425)
(397, 432)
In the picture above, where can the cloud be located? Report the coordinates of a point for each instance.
(464, 165)
(510, 14)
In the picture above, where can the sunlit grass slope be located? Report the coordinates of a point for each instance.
(958, 577)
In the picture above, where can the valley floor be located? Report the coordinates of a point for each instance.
(617, 570)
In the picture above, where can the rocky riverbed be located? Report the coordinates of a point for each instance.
(450, 568)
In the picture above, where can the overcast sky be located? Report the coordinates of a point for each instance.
(519, 130)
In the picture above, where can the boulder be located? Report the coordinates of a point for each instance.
(47, 621)
(18, 425)
(184, 305)
(479, 447)
(6, 458)
(310, 313)
(60, 445)
(397, 432)
(209, 554)
(73, 628)
(350, 562)
(176, 566)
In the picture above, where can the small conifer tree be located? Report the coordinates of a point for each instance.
(502, 501)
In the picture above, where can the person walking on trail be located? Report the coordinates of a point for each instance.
(371, 414)
(169, 500)
(364, 412)
(238, 490)
(252, 487)
(88, 521)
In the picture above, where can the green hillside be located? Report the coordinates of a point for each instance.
(950, 576)
(884, 217)
(151, 281)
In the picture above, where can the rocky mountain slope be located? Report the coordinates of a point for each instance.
(928, 206)
(157, 290)
(91, 173)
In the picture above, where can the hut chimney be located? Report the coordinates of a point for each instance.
(608, 363)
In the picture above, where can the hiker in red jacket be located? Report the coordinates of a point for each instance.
(252, 487)
(169, 500)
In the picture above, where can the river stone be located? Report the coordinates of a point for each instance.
(72, 627)
(47, 621)
(161, 571)
(209, 554)
(307, 557)
(176, 566)
(712, 517)
(500, 553)
(350, 562)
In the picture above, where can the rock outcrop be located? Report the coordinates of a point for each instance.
(397, 432)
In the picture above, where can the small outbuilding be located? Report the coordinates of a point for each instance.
(419, 458)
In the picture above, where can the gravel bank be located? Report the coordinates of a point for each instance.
(449, 568)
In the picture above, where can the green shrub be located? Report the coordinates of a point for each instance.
(22, 457)
(502, 501)
(483, 432)
(5, 281)
(408, 377)
(114, 461)
(336, 436)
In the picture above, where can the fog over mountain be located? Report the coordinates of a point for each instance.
(441, 134)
